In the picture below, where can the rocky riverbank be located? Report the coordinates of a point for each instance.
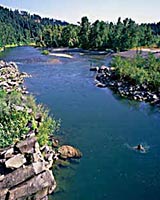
(25, 169)
(10, 78)
(26, 165)
(25, 172)
(107, 77)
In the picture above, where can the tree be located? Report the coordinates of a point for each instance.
(22, 28)
(99, 35)
(116, 36)
(47, 36)
(84, 33)
(146, 37)
(70, 36)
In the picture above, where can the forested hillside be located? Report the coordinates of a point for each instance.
(19, 27)
(22, 28)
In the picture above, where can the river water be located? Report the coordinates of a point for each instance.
(102, 125)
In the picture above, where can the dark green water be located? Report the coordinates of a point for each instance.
(100, 124)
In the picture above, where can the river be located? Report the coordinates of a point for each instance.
(102, 125)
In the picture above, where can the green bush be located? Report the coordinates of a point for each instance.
(45, 52)
(139, 70)
(16, 111)
(47, 127)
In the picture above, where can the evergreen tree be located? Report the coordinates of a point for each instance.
(70, 36)
(22, 28)
(84, 33)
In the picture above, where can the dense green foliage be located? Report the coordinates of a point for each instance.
(155, 28)
(139, 70)
(17, 112)
(100, 35)
(22, 28)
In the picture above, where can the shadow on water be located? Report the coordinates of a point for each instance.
(146, 108)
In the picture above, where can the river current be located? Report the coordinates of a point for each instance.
(101, 124)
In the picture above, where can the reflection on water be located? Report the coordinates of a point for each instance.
(99, 123)
(139, 106)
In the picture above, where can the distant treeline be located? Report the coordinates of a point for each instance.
(22, 28)
(19, 27)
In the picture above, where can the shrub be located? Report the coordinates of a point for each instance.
(45, 52)
(47, 127)
(16, 111)
(139, 70)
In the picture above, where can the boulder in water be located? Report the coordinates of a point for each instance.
(66, 151)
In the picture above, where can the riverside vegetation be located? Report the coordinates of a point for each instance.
(139, 70)
(18, 112)
(20, 28)
(137, 78)
(28, 148)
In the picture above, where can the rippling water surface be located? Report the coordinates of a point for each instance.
(102, 125)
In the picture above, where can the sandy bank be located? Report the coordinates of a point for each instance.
(61, 55)
(144, 53)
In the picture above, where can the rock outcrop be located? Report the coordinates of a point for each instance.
(107, 77)
(16, 161)
(44, 180)
(25, 172)
(25, 169)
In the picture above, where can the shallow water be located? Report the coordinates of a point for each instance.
(98, 122)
